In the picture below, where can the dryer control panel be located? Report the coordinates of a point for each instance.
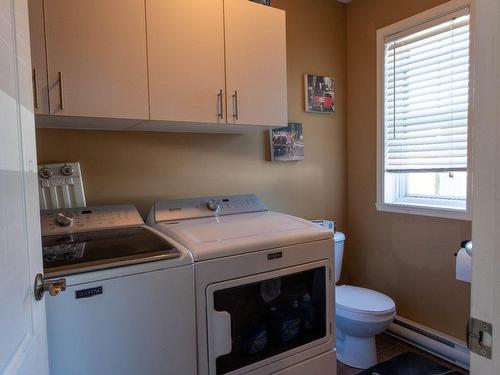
(88, 219)
(182, 209)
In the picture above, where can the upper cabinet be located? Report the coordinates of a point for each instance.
(185, 64)
(256, 76)
(96, 58)
(38, 58)
(186, 60)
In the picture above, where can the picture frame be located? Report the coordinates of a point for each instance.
(287, 143)
(319, 93)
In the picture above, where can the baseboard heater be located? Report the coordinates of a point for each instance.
(446, 347)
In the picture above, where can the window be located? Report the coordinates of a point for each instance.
(423, 105)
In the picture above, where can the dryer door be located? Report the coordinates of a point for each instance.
(259, 319)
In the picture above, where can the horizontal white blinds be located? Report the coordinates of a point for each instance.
(426, 97)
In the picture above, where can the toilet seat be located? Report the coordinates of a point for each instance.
(362, 301)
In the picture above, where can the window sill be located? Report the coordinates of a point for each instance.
(424, 211)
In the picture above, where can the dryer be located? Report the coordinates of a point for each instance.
(126, 301)
(264, 288)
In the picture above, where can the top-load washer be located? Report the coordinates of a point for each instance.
(264, 288)
(126, 301)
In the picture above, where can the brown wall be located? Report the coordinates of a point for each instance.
(141, 167)
(407, 257)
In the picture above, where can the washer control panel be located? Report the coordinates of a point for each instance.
(87, 219)
(181, 209)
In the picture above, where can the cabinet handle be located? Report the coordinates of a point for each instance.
(235, 105)
(220, 114)
(61, 91)
(35, 90)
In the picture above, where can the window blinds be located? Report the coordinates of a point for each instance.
(426, 92)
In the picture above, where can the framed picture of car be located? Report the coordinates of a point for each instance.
(319, 93)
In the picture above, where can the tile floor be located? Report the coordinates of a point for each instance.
(389, 347)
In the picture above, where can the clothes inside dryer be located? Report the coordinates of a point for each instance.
(272, 316)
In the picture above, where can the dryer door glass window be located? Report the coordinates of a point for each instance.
(272, 316)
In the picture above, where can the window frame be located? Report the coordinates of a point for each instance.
(398, 27)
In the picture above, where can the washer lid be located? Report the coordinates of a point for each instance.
(79, 252)
(362, 300)
(215, 237)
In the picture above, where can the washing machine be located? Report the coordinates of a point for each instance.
(264, 288)
(121, 295)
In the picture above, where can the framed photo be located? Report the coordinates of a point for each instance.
(287, 144)
(319, 93)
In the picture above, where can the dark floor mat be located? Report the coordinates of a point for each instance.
(409, 364)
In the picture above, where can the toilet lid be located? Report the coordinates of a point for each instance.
(361, 299)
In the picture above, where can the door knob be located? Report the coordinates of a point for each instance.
(54, 287)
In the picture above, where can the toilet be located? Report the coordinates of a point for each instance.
(360, 314)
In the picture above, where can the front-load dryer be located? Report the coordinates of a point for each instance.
(264, 288)
(126, 304)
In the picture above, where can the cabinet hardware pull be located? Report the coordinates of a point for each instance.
(61, 91)
(35, 90)
(220, 114)
(235, 105)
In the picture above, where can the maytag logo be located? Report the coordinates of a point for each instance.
(276, 255)
(86, 293)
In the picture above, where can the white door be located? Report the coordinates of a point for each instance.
(23, 342)
(485, 304)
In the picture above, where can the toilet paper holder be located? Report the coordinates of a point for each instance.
(467, 245)
(463, 262)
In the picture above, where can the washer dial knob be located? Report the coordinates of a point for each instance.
(212, 205)
(64, 219)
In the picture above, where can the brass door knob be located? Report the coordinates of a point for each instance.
(54, 287)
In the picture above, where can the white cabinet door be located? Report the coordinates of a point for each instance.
(23, 340)
(38, 57)
(186, 60)
(96, 58)
(255, 63)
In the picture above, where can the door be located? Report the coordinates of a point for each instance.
(96, 58)
(186, 60)
(485, 304)
(255, 64)
(38, 57)
(255, 320)
(23, 342)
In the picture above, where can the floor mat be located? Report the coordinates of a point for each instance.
(409, 364)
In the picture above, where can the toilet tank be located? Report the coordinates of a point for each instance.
(338, 253)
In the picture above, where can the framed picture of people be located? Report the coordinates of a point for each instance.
(287, 143)
(319, 93)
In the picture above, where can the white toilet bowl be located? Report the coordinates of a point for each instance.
(360, 314)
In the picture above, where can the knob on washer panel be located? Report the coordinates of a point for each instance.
(67, 170)
(45, 172)
(212, 205)
(64, 219)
